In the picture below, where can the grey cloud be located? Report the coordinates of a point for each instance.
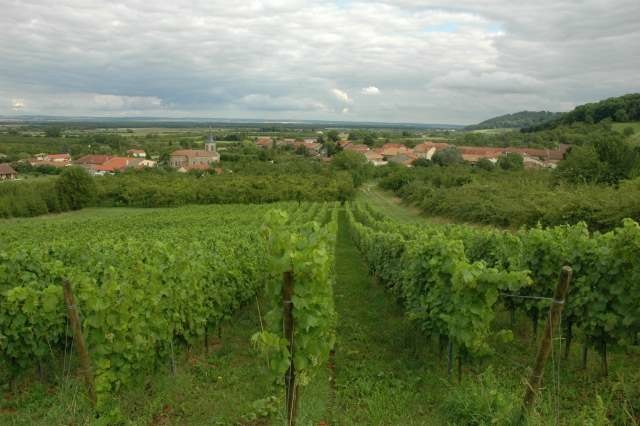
(283, 58)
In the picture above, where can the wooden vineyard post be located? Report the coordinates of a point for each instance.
(559, 296)
(78, 337)
(291, 386)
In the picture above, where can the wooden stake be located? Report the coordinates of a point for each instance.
(559, 297)
(449, 358)
(585, 353)
(78, 337)
(291, 386)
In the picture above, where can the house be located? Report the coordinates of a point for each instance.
(191, 157)
(58, 158)
(50, 160)
(137, 153)
(393, 149)
(7, 172)
(406, 159)
(344, 143)
(473, 154)
(265, 142)
(428, 149)
(312, 148)
(140, 163)
(357, 147)
(114, 164)
(375, 158)
(92, 160)
(287, 141)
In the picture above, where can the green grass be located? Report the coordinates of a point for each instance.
(394, 207)
(635, 138)
(221, 388)
(386, 372)
(381, 374)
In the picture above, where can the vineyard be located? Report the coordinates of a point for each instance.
(145, 285)
(153, 289)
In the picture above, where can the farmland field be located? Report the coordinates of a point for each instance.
(386, 369)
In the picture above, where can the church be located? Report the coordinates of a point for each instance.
(195, 159)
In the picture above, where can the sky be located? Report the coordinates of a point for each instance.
(391, 61)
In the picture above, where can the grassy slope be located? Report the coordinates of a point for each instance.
(635, 138)
(381, 376)
(385, 372)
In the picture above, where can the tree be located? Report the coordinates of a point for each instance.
(511, 161)
(354, 163)
(582, 165)
(75, 188)
(333, 135)
(301, 150)
(331, 148)
(53, 132)
(485, 164)
(422, 162)
(369, 139)
(447, 157)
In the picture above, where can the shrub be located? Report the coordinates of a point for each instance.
(481, 402)
(76, 188)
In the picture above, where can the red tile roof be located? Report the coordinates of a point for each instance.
(93, 159)
(6, 169)
(114, 164)
(194, 153)
(427, 146)
(362, 148)
(51, 157)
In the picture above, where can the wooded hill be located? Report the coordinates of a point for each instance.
(516, 120)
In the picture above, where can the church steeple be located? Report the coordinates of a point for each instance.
(210, 145)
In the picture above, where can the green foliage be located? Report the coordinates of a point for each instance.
(333, 136)
(481, 402)
(441, 290)
(306, 250)
(143, 285)
(53, 132)
(511, 161)
(422, 162)
(266, 183)
(516, 198)
(516, 120)
(447, 157)
(606, 161)
(354, 163)
(623, 108)
(76, 188)
(485, 164)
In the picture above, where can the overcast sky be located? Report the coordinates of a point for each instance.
(401, 61)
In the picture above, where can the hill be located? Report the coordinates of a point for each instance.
(621, 109)
(516, 120)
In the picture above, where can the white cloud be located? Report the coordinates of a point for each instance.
(341, 95)
(345, 110)
(116, 102)
(371, 91)
(436, 61)
(17, 104)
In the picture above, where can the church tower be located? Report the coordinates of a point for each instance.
(210, 145)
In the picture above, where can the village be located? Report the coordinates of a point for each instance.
(186, 160)
(401, 154)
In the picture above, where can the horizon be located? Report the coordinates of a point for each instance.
(404, 62)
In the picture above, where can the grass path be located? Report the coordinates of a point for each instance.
(381, 376)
